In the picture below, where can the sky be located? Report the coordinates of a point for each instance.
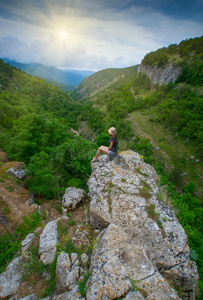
(94, 34)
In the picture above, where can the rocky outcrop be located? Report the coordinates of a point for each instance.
(160, 75)
(72, 197)
(10, 279)
(143, 243)
(119, 264)
(140, 252)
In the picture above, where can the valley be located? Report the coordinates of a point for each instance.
(162, 123)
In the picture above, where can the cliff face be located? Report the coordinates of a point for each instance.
(160, 75)
(141, 245)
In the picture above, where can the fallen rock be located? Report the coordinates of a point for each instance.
(11, 278)
(18, 173)
(26, 243)
(72, 197)
(47, 243)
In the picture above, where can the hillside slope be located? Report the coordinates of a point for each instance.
(102, 80)
(52, 74)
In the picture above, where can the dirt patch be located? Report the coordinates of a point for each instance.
(3, 156)
(13, 195)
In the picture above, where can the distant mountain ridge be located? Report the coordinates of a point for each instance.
(67, 80)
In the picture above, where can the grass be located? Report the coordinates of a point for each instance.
(172, 149)
(155, 216)
(71, 222)
(82, 284)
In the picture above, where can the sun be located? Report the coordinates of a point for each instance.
(62, 34)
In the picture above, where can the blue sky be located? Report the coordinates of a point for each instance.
(94, 34)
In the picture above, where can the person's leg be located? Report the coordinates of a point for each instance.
(102, 149)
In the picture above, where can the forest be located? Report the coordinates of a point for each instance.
(36, 119)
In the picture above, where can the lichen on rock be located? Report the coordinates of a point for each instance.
(142, 240)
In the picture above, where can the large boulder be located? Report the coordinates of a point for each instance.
(72, 197)
(11, 278)
(125, 192)
(48, 241)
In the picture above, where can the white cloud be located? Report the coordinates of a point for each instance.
(106, 38)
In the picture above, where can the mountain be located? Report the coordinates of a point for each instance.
(102, 80)
(66, 80)
(161, 66)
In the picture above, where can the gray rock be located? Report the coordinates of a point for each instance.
(160, 75)
(26, 243)
(11, 278)
(124, 192)
(18, 173)
(84, 260)
(72, 197)
(74, 257)
(72, 277)
(118, 263)
(30, 297)
(134, 296)
(62, 270)
(48, 242)
(47, 298)
(74, 294)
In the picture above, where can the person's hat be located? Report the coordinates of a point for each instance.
(112, 131)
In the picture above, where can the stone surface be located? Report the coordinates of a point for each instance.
(62, 270)
(72, 197)
(160, 75)
(30, 297)
(26, 243)
(118, 264)
(47, 242)
(11, 278)
(74, 294)
(124, 192)
(84, 260)
(18, 173)
(134, 296)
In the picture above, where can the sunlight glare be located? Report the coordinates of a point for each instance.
(62, 35)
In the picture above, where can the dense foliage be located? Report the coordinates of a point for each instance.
(180, 109)
(36, 120)
(181, 53)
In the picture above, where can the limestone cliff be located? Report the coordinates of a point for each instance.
(160, 75)
(141, 246)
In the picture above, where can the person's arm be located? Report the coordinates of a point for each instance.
(111, 145)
